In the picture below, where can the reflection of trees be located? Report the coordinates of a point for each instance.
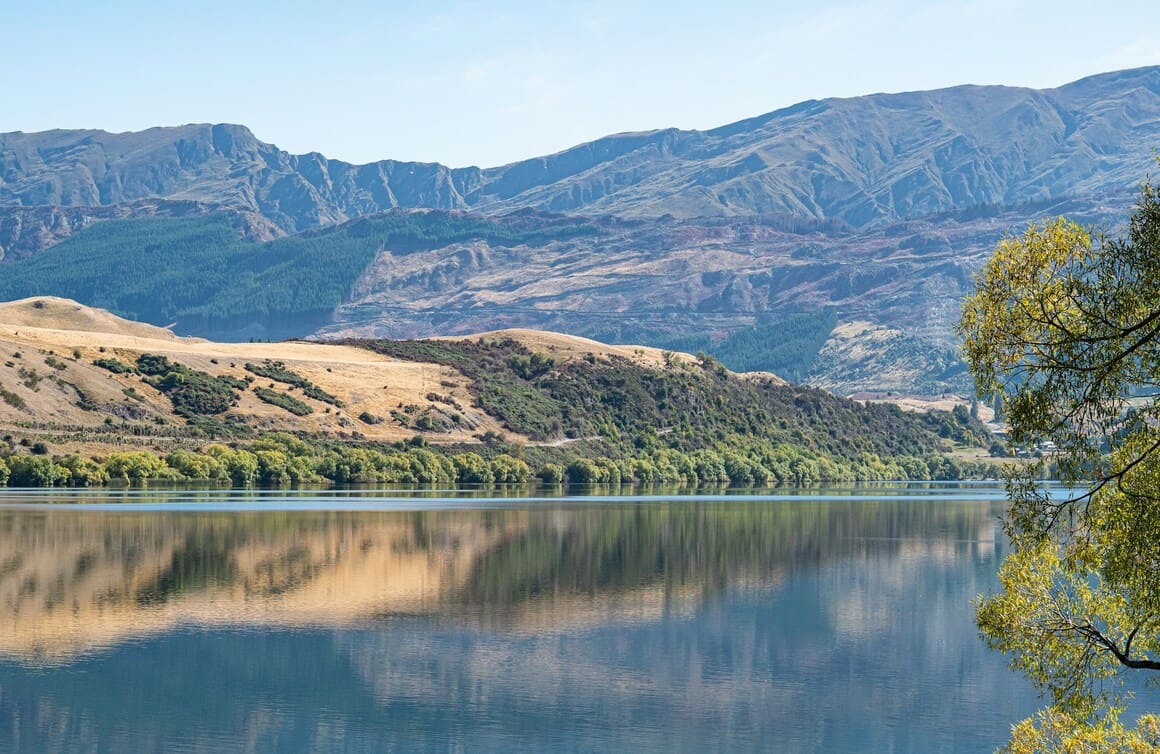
(864, 592)
(72, 581)
(195, 565)
(708, 545)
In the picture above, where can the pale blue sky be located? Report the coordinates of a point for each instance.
(486, 83)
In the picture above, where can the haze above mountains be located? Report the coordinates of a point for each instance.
(876, 209)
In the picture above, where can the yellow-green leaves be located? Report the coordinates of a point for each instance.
(1065, 328)
(1054, 730)
(1057, 621)
(1024, 300)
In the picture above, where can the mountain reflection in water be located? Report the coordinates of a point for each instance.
(684, 624)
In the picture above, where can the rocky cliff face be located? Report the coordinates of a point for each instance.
(217, 164)
(869, 160)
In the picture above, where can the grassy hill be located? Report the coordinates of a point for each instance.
(86, 397)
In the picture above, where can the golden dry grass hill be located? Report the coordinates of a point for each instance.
(49, 383)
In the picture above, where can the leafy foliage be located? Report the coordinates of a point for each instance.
(193, 393)
(1065, 329)
(277, 371)
(113, 365)
(137, 466)
(774, 431)
(282, 400)
(35, 471)
(1053, 730)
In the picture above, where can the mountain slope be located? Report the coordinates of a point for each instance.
(737, 283)
(874, 210)
(26, 230)
(198, 275)
(865, 161)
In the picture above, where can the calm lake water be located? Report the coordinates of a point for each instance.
(820, 621)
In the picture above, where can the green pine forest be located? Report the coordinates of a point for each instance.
(289, 285)
(786, 347)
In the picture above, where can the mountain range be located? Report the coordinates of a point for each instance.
(875, 210)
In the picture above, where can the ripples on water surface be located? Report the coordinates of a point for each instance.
(828, 620)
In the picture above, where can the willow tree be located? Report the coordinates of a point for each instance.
(1064, 327)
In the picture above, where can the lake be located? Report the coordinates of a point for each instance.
(835, 620)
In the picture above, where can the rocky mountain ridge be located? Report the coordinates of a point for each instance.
(864, 161)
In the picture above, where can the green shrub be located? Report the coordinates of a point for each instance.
(318, 394)
(551, 473)
(282, 400)
(277, 371)
(36, 471)
(12, 399)
(508, 470)
(192, 392)
(471, 468)
(136, 467)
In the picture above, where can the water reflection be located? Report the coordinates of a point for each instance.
(71, 582)
(810, 625)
